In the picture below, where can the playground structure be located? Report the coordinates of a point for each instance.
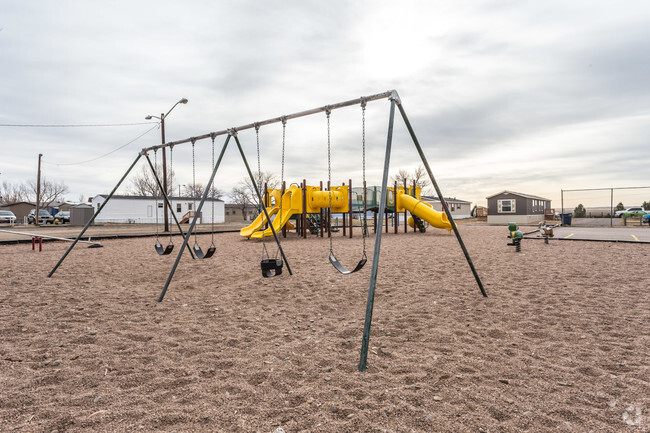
(307, 209)
(407, 202)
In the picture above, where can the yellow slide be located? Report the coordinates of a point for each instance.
(278, 223)
(424, 211)
(258, 223)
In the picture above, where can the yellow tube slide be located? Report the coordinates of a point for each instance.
(421, 210)
(258, 223)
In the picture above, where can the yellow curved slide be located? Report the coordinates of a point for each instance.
(258, 223)
(278, 223)
(424, 211)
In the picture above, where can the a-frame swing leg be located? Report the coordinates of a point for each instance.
(382, 204)
(375, 258)
(93, 217)
(440, 197)
(167, 203)
(193, 223)
(259, 197)
(198, 211)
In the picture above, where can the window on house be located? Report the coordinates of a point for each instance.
(227, 212)
(506, 206)
(160, 205)
(234, 212)
(179, 207)
(189, 206)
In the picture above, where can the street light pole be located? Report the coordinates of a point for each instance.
(164, 167)
(38, 191)
(164, 154)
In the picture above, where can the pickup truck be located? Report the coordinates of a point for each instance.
(631, 211)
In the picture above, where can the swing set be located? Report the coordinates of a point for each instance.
(273, 266)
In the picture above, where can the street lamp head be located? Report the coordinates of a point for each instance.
(148, 117)
(183, 101)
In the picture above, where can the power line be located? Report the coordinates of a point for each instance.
(73, 125)
(106, 154)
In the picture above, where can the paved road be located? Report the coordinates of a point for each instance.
(101, 231)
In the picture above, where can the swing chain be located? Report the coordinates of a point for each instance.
(171, 176)
(259, 183)
(328, 112)
(284, 136)
(155, 158)
(363, 152)
(193, 140)
(212, 136)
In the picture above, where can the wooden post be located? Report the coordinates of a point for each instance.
(37, 221)
(365, 211)
(329, 214)
(284, 227)
(415, 194)
(350, 205)
(304, 208)
(395, 214)
(406, 226)
(320, 220)
(344, 218)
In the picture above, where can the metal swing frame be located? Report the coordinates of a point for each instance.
(394, 99)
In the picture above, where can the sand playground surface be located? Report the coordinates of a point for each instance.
(560, 345)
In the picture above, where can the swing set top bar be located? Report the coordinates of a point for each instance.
(391, 94)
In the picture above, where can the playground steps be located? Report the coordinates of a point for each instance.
(313, 221)
(419, 224)
(188, 216)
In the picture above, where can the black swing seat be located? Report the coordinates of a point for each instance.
(163, 251)
(271, 267)
(339, 267)
(199, 252)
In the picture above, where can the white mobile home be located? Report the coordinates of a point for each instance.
(149, 210)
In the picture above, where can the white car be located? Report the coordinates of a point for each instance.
(636, 210)
(7, 216)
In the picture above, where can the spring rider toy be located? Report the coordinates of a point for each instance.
(516, 235)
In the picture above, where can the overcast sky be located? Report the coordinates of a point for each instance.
(528, 96)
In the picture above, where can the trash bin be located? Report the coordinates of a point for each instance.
(566, 218)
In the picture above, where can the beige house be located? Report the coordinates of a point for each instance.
(459, 208)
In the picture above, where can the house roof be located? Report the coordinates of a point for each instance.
(18, 203)
(447, 199)
(148, 197)
(534, 197)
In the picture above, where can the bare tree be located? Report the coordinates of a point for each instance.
(13, 193)
(145, 183)
(51, 191)
(419, 176)
(244, 194)
(196, 191)
(266, 177)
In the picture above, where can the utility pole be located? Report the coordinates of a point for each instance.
(164, 167)
(164, 155)
(38, 191)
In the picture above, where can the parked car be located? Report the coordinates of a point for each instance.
(62, 217)
(631, 211)
(645, 218)
(44, 217)
(7, 216)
